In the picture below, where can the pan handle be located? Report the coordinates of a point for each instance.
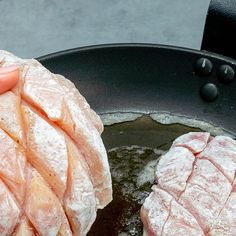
(220, 28)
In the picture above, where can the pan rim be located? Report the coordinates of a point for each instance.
(134, 45)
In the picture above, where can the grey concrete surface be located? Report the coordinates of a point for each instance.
(31, 28)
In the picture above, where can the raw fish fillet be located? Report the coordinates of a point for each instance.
(54, 171)
(195, 192)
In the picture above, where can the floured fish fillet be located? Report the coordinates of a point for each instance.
(54, 172)
(195, 192)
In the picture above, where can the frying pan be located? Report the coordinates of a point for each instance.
(147, 79)
(124, 81)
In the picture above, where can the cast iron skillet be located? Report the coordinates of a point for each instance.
(150, 78)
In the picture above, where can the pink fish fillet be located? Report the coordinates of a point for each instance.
(54, 171)
(198, 175)
(59, 100)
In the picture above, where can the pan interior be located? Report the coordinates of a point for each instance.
(134, 148)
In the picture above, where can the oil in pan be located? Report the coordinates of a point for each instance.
(134, 148)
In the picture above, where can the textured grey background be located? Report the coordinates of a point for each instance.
(32, 28)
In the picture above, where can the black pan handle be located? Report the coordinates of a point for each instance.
(220, 28)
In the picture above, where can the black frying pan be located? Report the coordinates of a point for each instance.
(147, 79)
(141, 78)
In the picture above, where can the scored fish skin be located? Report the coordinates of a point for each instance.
(164, 216)
(42, 207)
(194, 141)
(208, 189)
(55, 183)
(73, 93)
(35, 69)
(46, 150)
(90, 144)
(225, 224)
(57, 99)
(34, 90)
(221, 151)
(206, 193)
(178, 159)
(180, 216)
(155, 211)
(10, 116)
(12, 166)
(79, 200)
(55, 102)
